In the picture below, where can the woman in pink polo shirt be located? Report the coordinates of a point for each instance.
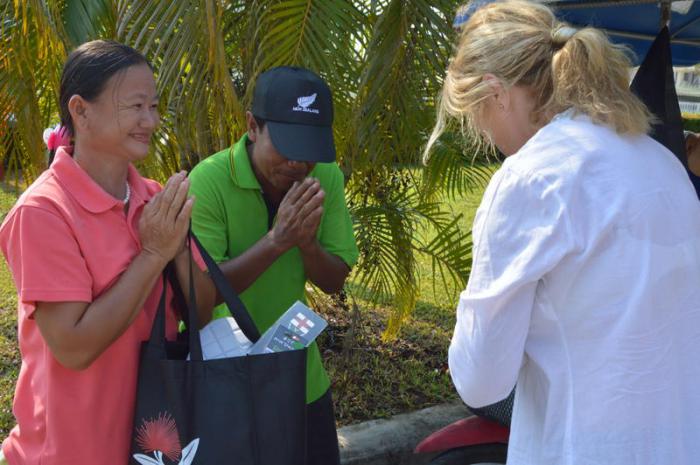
(87, 244)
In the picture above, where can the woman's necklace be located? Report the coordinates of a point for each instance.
(128, 194)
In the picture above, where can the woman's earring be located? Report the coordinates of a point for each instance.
(501, 107)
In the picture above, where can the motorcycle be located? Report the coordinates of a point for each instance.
(480, 439)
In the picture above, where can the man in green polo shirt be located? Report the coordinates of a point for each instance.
(271, 210)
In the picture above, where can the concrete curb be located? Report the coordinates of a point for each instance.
(391, 441)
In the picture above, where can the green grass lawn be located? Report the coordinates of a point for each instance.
(9, 352)
(373, 379)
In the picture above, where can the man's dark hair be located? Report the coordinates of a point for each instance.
(89, 67)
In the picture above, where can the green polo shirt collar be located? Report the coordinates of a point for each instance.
(241, 169)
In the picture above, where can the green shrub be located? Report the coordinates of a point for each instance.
(691, 124)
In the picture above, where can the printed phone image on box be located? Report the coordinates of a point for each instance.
(298, 327)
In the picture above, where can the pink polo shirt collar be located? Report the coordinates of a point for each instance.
(86, 191)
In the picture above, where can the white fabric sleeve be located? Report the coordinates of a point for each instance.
(521, 231)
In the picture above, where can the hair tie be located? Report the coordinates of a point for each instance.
(562, 34)
(56, 137)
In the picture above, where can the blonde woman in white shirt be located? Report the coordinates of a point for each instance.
(585, 284)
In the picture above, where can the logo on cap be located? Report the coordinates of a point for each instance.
(304, 102)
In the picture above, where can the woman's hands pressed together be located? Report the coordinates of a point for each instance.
(166, 218)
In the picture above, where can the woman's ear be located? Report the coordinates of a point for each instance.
(499, 93)
(78, 109)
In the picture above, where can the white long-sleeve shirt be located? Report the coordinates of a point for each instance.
(585, 289)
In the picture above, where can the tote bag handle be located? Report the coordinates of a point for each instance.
(231, 298)
(233, 301)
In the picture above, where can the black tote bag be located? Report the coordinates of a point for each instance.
(247, 410)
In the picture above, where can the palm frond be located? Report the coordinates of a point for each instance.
(405, 61)
(406, 58)
(85, 20)
(185, 42)
(30, 67)
(455, 168)
(450, 255)
(394, 224)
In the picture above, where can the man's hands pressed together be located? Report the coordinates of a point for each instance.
(299, 216)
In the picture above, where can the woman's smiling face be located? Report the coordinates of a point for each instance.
(124, 116)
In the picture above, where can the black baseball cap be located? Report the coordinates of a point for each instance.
(298, 108)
